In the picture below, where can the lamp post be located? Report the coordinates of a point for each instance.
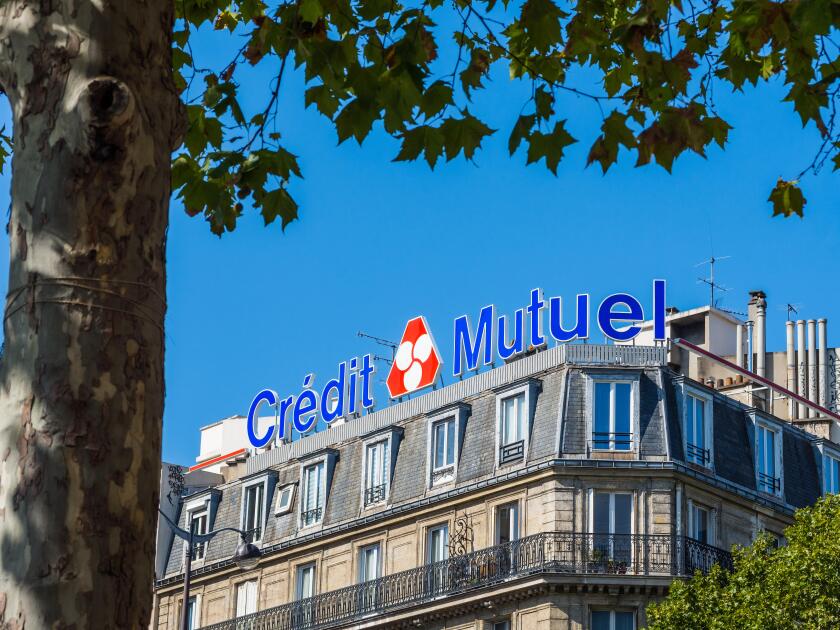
(246, 556)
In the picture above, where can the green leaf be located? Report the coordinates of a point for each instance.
(323, 98)
(422, 139)
(521, 129)
(549, 146)
(277, 203)
(787, 198)
(310, 10)
(463, 134)
(437, 96)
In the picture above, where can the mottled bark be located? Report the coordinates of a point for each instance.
(81, 383)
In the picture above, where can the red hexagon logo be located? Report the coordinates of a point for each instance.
(416, 362)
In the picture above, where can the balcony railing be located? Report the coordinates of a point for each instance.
(375, 494)
(612, 441)
(697, 454)
(513, 452)
(769, 483)
(310, 517)
(546, 553)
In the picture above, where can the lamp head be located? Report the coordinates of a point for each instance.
(247, 555)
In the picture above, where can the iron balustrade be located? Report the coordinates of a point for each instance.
(512, 452)
(310, 517)
(546, 553)
(610, 440)
(697, 454)
(375, 494)
(768, 483)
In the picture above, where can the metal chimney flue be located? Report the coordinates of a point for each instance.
(757, 310)
(822, 346)
(813, 394)
(791, 367)
(801, 368)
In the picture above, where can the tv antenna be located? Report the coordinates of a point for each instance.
(792, 309)
(711, 279)
(382, 342)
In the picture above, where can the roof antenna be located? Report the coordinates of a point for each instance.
(382, 342)
(711, 279)
(791, 309)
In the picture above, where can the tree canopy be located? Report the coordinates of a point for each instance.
(796, 585)
(413, 69)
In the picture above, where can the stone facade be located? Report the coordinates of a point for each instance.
(554, 486)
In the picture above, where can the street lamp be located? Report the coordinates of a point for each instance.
(246, 556)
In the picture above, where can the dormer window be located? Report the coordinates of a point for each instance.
(315, 477)
(443, 449)
(698, 429)
(445, 434)
(514, 413)
(312, 504)
(198, 526)
(768, 459)
(612, 413)
(253, 510)
(376, 476)
(831, 474)
(513, 421)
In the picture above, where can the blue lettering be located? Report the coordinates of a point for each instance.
(581, 327)
(336, 384)
(505, 351)
(366, 372)
(466, 346)
(606, 316)
(306, 406)
(265, 396)
(659, 310)
(535, 316)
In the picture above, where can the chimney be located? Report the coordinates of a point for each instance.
(801, 367)
(757, 310)
(822, 343)
(812, 365)
(739, 345)
(791, 367)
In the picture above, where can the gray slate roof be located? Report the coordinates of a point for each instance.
(559, 420)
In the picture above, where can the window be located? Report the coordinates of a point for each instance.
(766, 458)
(305, 581)
(611, 428)
(376, 475)
(501, 625)
(831, 475)
(443, 450)
(700, 523)
(253, 510)
(697, 448)
(437, 544)
(512, 427)
(612, 527)
(507, 523)
(369, 563)
(192, 614)
(246, 598)
(198, 525)
(312, 506)
(284, 499)
(613, 620)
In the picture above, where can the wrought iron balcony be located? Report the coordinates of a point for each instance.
(513, 452)
(310, 517)
(612, 441)
(546, 553)
(769, 483)
(697, 454)
(375, 494)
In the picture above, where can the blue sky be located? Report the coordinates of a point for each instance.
(380, 242)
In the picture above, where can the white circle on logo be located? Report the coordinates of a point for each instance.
(412, 377)
(403, 357)
(423, 347)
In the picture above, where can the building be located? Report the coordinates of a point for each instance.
(565, 489)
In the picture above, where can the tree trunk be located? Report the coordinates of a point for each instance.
(96, 116)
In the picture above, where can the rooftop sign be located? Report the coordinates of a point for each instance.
(417, 361)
